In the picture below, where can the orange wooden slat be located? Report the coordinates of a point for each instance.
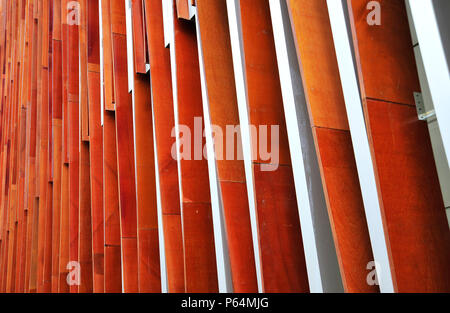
(125, 150)
(320, 73)
(138, 29)
(74, 141)
(281, 247)
(216, 46)
(107, 56)
(83, 50)
(96, 148)
(85, 215)
(199, 251)
(161, 80)
(415, 224)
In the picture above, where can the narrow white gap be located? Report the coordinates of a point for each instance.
(360, 144)
(234, 19)
(220, 240)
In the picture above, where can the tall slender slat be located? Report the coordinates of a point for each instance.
(332, 137)
(216, 46)
(161, 84)
(199, 251)
(406, 175)
(283, 264)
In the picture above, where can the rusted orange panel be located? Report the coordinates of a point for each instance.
(314, 42)
(83, 60)
(173, 245)
(387, 72)
(239, 236)
(57, 99)
(21, 287)
(113, 276)
(199, 257)
(74, 142)
(265, 104)
(93, 38)
(159, 58)
(411, 200)
(183, 9)
(149, 273)
(57, 141)
(281, 247)
(34, 248)
(85, 232)
(345, 207)
(125, 162)
(118, 18)
(96, 160)
(47, 277)
(44, 20)
(30, 227)
(110, 186)
(199, 251)
(107, 56)
(145, 162)
(220, 84)
(43, 181)
(149, 267)
(56, 34)
(139, 46)
(130, 265)
(414, 219)
(64, 247)
(113, 269)
(325, 101)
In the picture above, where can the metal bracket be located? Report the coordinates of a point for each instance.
(420, 106)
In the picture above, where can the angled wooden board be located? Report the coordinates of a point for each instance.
(415, 225)
(281, 247)
(216, 49)
(161, 80)
(199, 250)
(325, 101)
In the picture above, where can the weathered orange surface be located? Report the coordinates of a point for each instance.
(161, 83)
(325, 100)
(199, 251)
(414, 219)
(282, 257)
(216, 46)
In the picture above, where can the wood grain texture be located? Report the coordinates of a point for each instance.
(74, 142)
(112, 250)
(125, 164)
(161, 87)
(220, 85)
(282, 258)
(414, 220)
(96, 147)
(328, 117)
(199, 251)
